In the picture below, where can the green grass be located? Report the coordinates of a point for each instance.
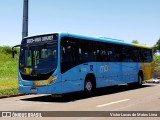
(8, 72)
(8, 92)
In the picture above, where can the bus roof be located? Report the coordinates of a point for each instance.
(101, 39)
(105, 39)
(143, 46)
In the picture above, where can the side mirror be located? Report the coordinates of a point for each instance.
(13, 52)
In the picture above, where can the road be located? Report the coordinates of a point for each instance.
(117, 98)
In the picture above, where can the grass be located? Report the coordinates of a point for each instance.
(8, 72)
(8, 92)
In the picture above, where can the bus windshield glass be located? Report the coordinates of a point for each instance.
(38, 58)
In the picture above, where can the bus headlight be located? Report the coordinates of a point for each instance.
(53, 80)
(20, 82)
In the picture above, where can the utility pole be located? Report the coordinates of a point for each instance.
(25, 19)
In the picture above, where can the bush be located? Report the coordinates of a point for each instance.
(6, 50)
(157, 62)
(8, 68)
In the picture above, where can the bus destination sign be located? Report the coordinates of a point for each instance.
(40, 39)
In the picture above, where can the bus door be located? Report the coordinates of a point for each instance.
(70, 66)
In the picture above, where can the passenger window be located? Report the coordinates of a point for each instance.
(67, 55)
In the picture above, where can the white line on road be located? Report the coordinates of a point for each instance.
(111, 103)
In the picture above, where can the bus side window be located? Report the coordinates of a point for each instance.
(69, 57)
(147, 55)
(116, 53)
(87, 52)
(142, 55)
(127, 54)
(135, 55)
(66, 55)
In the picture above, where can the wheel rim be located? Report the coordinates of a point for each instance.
(88, 86)
(140, 80)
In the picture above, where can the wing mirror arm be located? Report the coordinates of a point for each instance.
(13, 51)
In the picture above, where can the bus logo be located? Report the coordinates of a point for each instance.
(91, 67)
(105, 68)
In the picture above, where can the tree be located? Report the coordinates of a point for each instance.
(135, 41)
(156, 47)
(157, 63)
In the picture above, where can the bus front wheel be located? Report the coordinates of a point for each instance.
(88, 87)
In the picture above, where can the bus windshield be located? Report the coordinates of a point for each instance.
(38, 57)
(41, 59)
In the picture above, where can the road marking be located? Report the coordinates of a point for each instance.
(111, 103)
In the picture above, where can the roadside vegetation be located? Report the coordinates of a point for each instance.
(157, 62)
(8, 72)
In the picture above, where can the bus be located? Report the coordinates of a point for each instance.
(61, 63)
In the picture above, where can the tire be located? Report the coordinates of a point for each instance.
(88, 87)
(140, 80)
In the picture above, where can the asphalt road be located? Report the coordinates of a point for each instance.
(117, 98)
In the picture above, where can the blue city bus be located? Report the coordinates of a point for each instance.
(61, 63)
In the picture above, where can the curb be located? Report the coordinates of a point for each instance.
(8, 96)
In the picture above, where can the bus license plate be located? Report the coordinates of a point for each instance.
(33, 89)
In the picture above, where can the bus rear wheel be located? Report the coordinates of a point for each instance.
(140, 80)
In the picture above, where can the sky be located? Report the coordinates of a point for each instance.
(120, 19)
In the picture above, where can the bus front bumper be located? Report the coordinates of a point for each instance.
(50, 89)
